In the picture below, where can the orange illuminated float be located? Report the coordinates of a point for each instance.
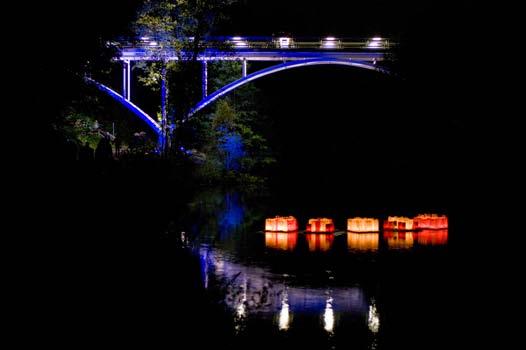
(432, 237)
(321, 225)
(363, 241)
(319, 241)
(281, 240)
(281, 224)
(363, 225)
(399, 240)
(430, 222)
(398, 223)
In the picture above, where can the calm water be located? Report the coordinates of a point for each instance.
(342, 290)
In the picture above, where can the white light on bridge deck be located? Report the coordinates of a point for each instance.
(153, 43)
(284, 43)
(329, 42)
(239, 42)
(376, 42)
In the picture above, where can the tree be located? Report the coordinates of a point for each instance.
(175, 27)
(232, 135)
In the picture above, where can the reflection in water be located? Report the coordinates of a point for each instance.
(398, 223)
(319, 241)
(399, 240)
(231, 217)
(328, 316)
(363, 241)
(281, 240)
(250, 290)
(373, 318)
(363, 225)
(284, 314)
(431, 221)
(432, 237)
(216, 214)
(285, 295)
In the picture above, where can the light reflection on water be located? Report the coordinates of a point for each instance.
(399, 240)
(363, 241)
(319, 241)
(253, 290)
(270, 276)
(280, 240)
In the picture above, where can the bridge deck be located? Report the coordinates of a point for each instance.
(140, 54)
(263, 49)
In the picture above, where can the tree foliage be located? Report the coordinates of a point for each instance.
(232, 135)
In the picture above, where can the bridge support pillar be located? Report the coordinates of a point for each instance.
(204, 79)
(244, 68)
(126, 80)
(164, 140)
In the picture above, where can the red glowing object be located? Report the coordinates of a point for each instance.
(281, 224)
(281, 240)
(363, 225)
(398, 223)
(432, 237)
(319, 242)
(430, 221)
(320, 225)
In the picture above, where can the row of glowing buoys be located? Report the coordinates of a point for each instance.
(393, 223)
(290, 224)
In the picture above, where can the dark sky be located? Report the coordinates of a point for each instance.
(88, 19)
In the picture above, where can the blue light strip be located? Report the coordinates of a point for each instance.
(278, 68)
(130, 106)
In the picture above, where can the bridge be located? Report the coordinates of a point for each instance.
(286, 52)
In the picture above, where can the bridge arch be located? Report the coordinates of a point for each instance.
(278, 68)
(152, 123)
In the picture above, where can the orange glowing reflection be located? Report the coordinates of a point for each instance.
(320, 225)
(399, 240)
(398, 223)
(281, 240)
(319, 242)
(363, 241)
(432, 237)
(363, 225)
(281, 224)
(430, 221)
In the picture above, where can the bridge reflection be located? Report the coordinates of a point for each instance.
(255, 290)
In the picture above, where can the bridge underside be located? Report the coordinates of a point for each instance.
(278, 68)
(290, 59)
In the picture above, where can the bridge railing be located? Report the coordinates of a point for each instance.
(287, 43)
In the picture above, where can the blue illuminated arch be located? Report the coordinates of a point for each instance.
(278, 68)
(153, 124)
